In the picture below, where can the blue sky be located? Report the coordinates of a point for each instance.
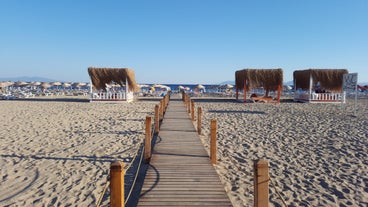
(181, 41)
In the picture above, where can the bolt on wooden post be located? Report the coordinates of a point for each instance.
(199, 120)
(147, 144)
(213, 141)
(261, 180)
(117, 184)
(192, 111)
(157, 119)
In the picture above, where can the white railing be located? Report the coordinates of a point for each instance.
(112, 96)
(108, 96)
(319, 97)
(327, 97)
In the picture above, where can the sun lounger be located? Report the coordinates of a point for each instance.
(264, 99)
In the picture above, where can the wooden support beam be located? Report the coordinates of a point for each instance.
(157, 119)
(261, 180)
(161, 110)
(147, 144)
(213, 141)
(199, 120)
(117, 184)
(192, 110)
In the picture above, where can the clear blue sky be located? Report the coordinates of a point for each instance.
(181, 41)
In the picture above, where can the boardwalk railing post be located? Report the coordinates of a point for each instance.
(164, 100)
(213, 141)
(117, 184)
(147, 144)
(157, 119)
(199, 120)
(261, 179)
(188, 104)
(161, 110)
(192, 114)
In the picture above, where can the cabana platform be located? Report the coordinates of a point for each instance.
(319, 85)
(265, 79)
(112, 84)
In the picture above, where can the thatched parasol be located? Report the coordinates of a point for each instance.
(21, 84)
(269, 79)
(102, 76)
(66, 84)
(228, 86)
(329, 79)
(5, 84)
(36, 83)
(45, 85)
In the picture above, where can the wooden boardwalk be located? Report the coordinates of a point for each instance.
(180, 171)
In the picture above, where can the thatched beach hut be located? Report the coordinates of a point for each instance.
(268, 79)
(102, 78)
(319, 85)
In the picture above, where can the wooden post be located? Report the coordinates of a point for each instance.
(192, 104)
(278, 93)
(165, 102)
(245, 91)
(213, 141)
(157, 119)
(117, 184)
(261, 179)
(147, 144)
(161, 110)
(199, 120)
(237, 92)
(188, 104)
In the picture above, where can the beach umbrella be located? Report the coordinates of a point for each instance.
(65, 84)
(4, 84)
(56, 83)
(36, 83)
(181, 87)
(77, 85)
(143, 86)
(228, 86)
(45, 85)
(162, 87)
(199, 86)
(20, 84)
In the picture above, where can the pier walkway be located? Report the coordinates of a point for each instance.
(180, 172)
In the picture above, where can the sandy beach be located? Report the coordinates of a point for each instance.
(58, 153)
(317, 152)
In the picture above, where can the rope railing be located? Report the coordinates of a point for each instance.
(140, 150)
(135, 178)
(103, 192)
(257, 175)
(277, 192)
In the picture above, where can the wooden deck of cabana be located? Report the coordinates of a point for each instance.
(180, 171)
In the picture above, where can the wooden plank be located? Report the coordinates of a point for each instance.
(180, 172)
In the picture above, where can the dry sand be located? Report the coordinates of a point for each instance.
(58, 153)
(317, 152)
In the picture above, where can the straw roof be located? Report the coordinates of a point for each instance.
(329, 79)
(102, 76)
(269, 79)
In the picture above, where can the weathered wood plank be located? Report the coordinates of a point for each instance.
(180, 172)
